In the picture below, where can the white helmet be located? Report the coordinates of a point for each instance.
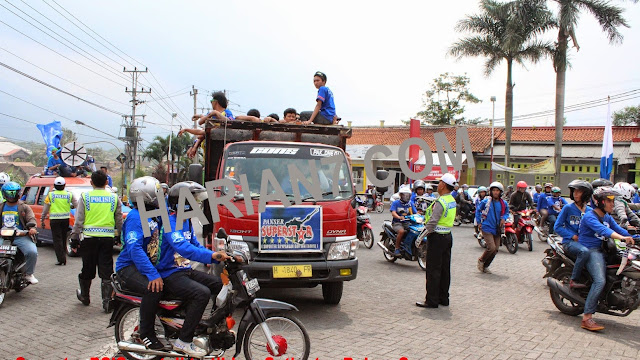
(59, 181)
(146, 187)
(405, 193)
(4, 178)
(498, 185)
(449, 179)
(625, 190)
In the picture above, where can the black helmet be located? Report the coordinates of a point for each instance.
(587, 189)
(600, 182)
(602, 193)
(198, 191)
(419, 184)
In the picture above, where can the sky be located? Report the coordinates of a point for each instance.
(379, 58)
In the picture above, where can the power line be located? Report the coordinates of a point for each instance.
(60, 90)
(166, 97)
(163, 90)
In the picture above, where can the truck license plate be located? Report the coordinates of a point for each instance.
(291, 271)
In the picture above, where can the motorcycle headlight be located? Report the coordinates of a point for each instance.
(238, 245)
(342, 250)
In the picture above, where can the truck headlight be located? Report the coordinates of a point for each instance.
(237, 245)
(342, 250)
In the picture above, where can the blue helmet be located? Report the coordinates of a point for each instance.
(11, 191)
(482, 188)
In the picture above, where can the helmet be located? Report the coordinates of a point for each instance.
(548, 185)
(498, 185)
(635, 186)
(4, 178)
(465, 186)
(600, 182)
(587, 189)
(602, 193)
(146, 187)
(521, 184)
(164, 186)
(419, 184)
(538, 187)
(481, 189)
(449, 179)
(11, 191)
(625, 190)
(556, 189)
(198, 191)
(510, 187)
(405, 193)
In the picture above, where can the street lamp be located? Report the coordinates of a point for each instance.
(493, 118)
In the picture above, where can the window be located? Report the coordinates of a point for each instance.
(537, 178)
(573, 169)
(511, 177)
(580, 168)
(30, 193)
(43, 194)
(596, 169)
(499, 176)
(588, 169)
(552, 178)
(565, 168)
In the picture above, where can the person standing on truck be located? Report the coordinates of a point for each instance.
(325, 110)
(58, 205)
(99, 219)
(440, 217)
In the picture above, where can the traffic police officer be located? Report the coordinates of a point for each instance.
(57, 205)
(99, 219)
(439, 217)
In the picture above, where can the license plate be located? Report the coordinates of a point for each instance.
(252, 286)
(8, 249)
(291, 271)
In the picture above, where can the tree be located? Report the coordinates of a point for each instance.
(444, 101)
(68, 136)
(158, 152)
(509, 32)
(628, 116)
(610, 19)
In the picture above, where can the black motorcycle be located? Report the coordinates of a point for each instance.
(266, 330)
(12, 262)
(621, 294)
(465, 217)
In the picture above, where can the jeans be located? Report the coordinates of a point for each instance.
(552, 222)
(134, 281)
(438, 268)
(30, 252)
(197, 287)
(581, 253)
(596, 265)
(321, 120)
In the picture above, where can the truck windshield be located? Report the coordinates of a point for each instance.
(252, 159)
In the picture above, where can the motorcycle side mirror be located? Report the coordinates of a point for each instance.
(31, 224)
(354, 202)
(222, 234)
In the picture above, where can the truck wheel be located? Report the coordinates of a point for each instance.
(332, 292)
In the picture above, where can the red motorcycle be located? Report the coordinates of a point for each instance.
(364, 230)
(521, 233)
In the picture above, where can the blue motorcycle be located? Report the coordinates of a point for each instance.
(414, 244)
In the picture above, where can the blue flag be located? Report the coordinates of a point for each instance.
(51, 134)
(606, 161)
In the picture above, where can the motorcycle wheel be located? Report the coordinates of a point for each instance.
(422, 256)
(3, 284)
(565, 306)
(511, 243)
(367, 238)
(126, 329)
(392, 247)
(529, 239)
(543, 233)
(380, 208)
(287, 331)
(482, 242)
(456, 222)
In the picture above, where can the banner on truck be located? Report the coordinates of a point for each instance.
(296, 228)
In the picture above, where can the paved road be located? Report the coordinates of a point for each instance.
(504, 315)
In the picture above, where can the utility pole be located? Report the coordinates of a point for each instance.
(194, 93)
(131, 137)
(493, 118)
(169, 153)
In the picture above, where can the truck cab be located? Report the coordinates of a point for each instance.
(312, 241)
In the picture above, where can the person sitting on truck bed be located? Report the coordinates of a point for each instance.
(252, 115)
(219, 103)
(273, 117)
(290, 117)
(325, 111)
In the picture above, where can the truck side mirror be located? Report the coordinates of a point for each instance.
(382, 175)
(354, 203)
(195, 173)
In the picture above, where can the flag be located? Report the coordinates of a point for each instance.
(414, 150)
(606, 161)
(51, 134)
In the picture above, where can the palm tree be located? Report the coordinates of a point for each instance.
(610, 19)
(157, 149)
(509, 32)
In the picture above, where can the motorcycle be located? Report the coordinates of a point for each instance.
(414, 244)
(541, 229)
(522, 233)
(364, 228)
(621, 294)
(12, 261)
(378, 204)
(266, 330)
(466, 218)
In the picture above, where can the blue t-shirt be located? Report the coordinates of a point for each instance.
(454, 193)
(109, 181)
(228, 114)
(550, 201)
(536, 196)
(328, 109)
(53, 162)
(11, 217)
(541, 201)
(402, 208)
(180, 246)
(568, 222)
(137, 249)
(594, 230)
(636, 199)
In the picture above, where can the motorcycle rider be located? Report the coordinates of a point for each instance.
(636, 196)
(596, 226)
(418, 190)
(491, 214)
(4, 178)
(15, 212)
(465, 201)
(399, 209)
(520, 200)
(135, 264)
(480, 195)
(429, 191)
(568, 224)
(507, 195)
(542, 204)
(596, 184)
(536, 194)
(58, 205)
(622, 214)
(422, 203)
(177, 248)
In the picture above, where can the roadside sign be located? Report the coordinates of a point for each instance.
(121, 158)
